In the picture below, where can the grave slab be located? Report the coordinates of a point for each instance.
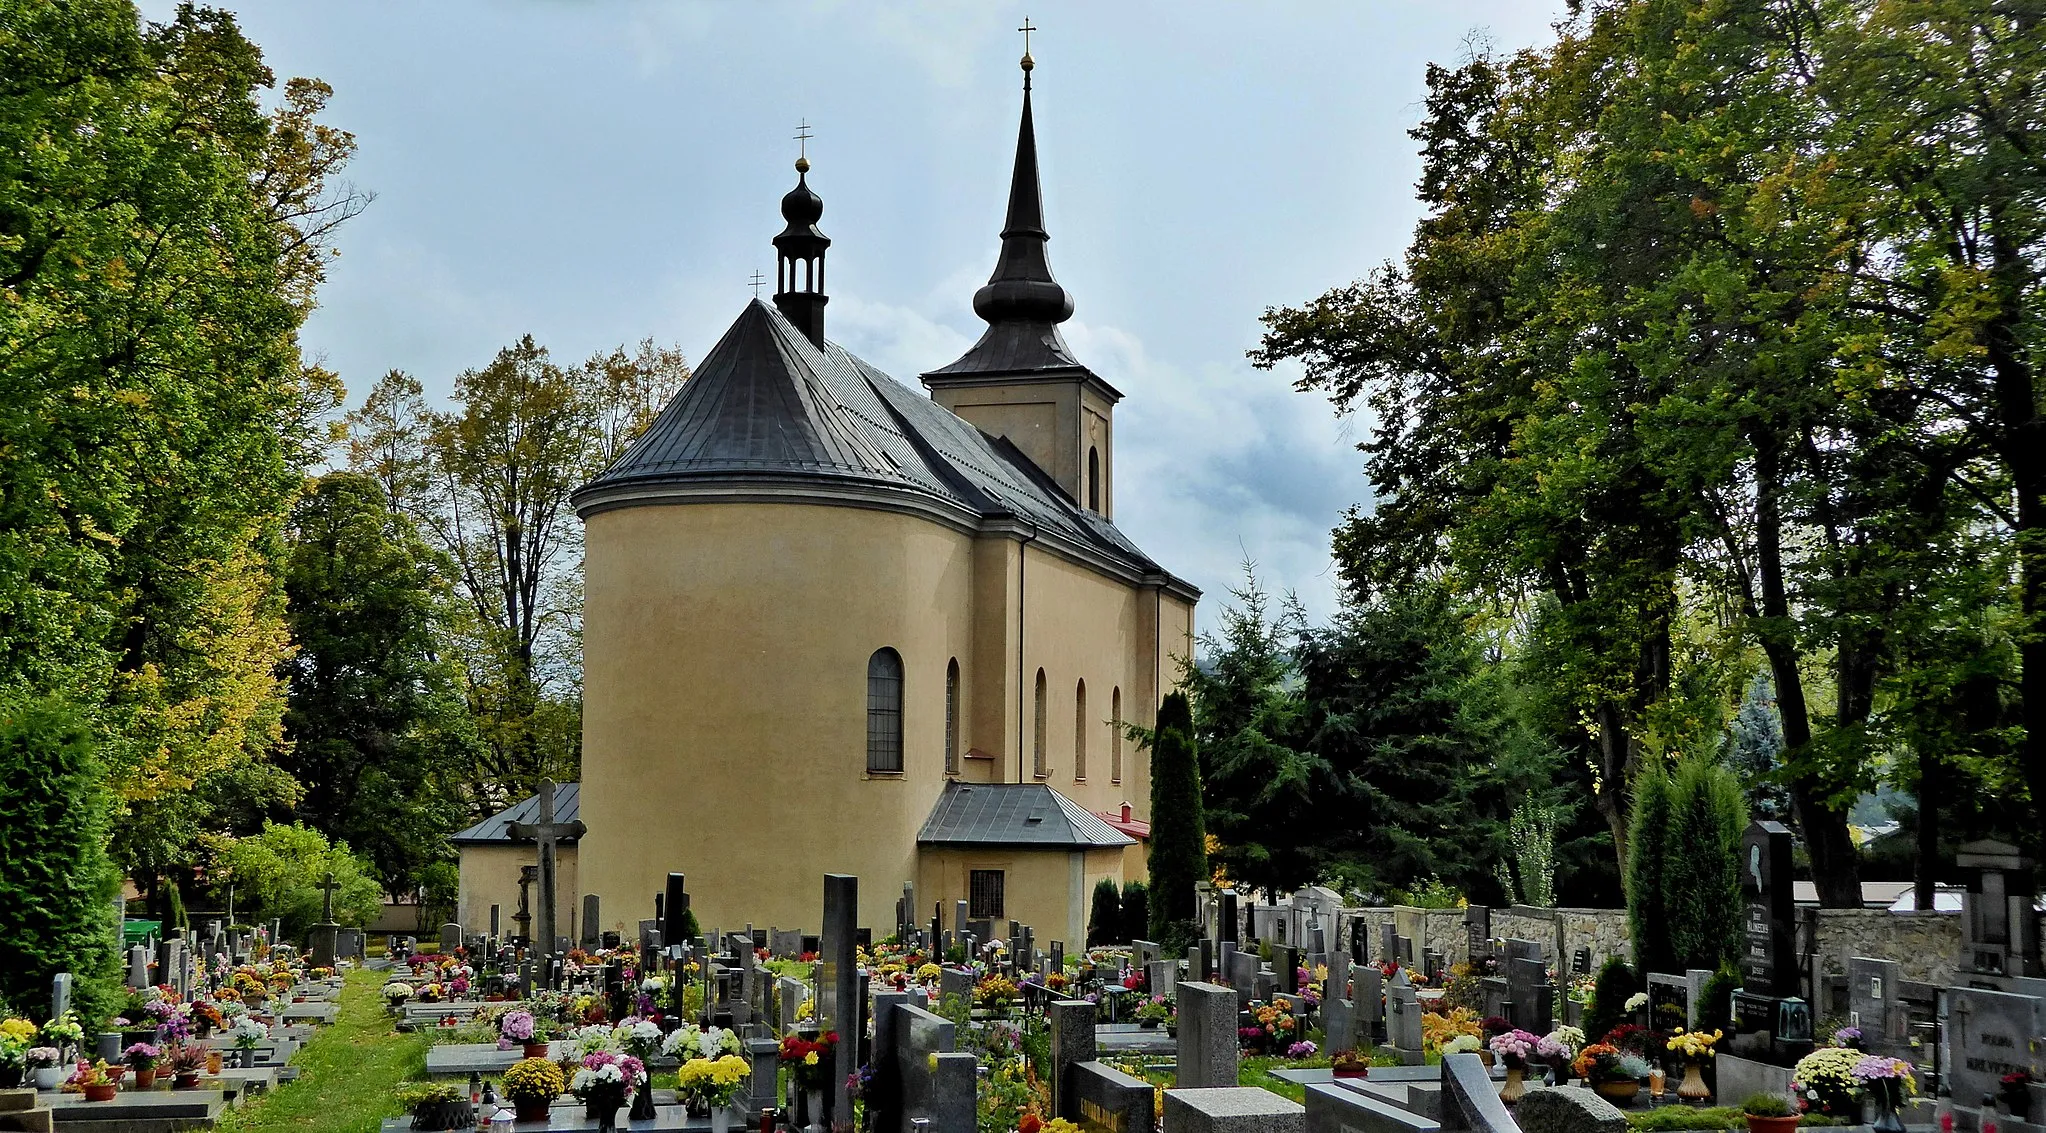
(1232, 1109)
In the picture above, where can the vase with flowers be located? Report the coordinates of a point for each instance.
(44, 1066)
(711, 1084)
(1887, 1082)
(1513, 1048)
(522, 1029)
(601, 1083)
(532, 1084)
(1615, 1074)
(1695, 1048)
(142, 1059)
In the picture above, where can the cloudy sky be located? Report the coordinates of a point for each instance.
(597, 173)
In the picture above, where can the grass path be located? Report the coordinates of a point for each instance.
(348, 1074)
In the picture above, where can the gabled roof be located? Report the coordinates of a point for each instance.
(494, 830)
(768, 414)
(1014, 814)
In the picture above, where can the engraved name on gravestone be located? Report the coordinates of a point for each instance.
(1991, 1034)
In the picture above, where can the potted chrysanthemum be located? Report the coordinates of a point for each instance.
(142, 1059)
(532, 1084)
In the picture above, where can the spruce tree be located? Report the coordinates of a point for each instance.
(1179, 837)
(1136, 912)
(1701, 888)
(1104, 920)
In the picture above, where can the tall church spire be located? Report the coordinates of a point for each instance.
(1022, 288)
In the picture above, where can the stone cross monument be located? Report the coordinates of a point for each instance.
(547, 834)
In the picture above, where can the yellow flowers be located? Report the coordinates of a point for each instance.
(1060, 1125)
(1694, 1046)
(20, 1029)
(807, 1009)
(533, 1079)
(712, 1080)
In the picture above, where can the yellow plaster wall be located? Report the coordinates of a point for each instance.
(1045, 889)
(490, 876)
(725, 652)
(724, 702)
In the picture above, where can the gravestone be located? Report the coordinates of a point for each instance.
(1160, 976)
(546, 834)
(1991, 1034)
(937, 1093)
(1403, 1020)
(1058, 955)
(1477, 931)
(838, 999)
(673, 909)
(784, 943)
(450, 938)
(1243, 976)
(1770, 1022)
(1071, 1022)
(1669, 1002)
(1225, 924)
(1207, 1035)
(1286, 965)
(138, 967)
(1339, 1024)
(1368, 993)
(592, 924)
(1999, 930)
(60, 994)
(1874, 1005)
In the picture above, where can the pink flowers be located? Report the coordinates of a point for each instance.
(517, 1027)
(1514, 1046)
(1302, 1049)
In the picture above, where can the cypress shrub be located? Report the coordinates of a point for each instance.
(1701, 886)
(1104, 921)
(1179, 836)
(1648, 846)
(56, 885)
(1716, 1012)
(1136, 915)
(1615, 985)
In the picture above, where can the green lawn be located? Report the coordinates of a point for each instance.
(348, 1075)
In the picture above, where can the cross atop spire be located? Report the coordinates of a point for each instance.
(1028, 62)
(803, 136)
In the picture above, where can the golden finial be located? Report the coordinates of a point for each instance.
(1026, 29)
(803, 136)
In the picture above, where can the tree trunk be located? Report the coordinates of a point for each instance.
(1925, 871)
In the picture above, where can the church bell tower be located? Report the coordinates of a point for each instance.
(799, 253)
(1021, 381)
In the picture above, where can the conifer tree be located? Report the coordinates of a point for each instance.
(1648, 844)
(1104, 919)
(1135, 912)
(1179, 835)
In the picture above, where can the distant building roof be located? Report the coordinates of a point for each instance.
(1126, 822)
(494, 830)
(1874, 894)
(1014, 814)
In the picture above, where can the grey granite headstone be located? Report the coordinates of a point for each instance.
(60, 994)
(1232, 1109)
(592, 922)
(838, 991)
(138, 967)
(1243, 976)
(1403, 1020)
(1160, 975)
(1992, 1033)
(1567, 1109)
(1072, 1042)
(1339, 1024)
(1207, 1035)
(450, 938)
(1874, 1006)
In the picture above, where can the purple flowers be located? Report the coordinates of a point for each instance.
(517, 1027)
(1302, 1049)
(1876, 1068)
(1847, 1036)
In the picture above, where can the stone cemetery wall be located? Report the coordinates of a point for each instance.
(1563, 931)
(1924, 945)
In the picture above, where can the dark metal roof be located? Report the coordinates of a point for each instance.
(494, 830)
(1014, 814)
(765, 406)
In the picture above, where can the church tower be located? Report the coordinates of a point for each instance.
(1021, 381)
(799, 254)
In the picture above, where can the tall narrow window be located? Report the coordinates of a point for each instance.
(1037, 742)
(1080, 731)
(1094, 480)
(1115, 734)
(984, 894)
(884, 712)
(952, 717)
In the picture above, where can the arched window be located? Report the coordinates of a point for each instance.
(1093, 479)
(1115, 733)
(952, 717)
(1037, 746)
(1080, 731)
(884, 712)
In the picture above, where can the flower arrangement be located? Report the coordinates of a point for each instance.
(640, 1038)
(187, 1058)
(1561, 1045)
(1581, 990)
(247, 1032)
(432, 993)
(1636, 1001)
(1848, 1037)
(995, 992)
(1461, 1044)
(1274, 1027)
(1694, 1046)
(15, 1035)
(691, 1041)
(517, 1027)
(592, 1039)
(1629, 1037)
(397, 991)
(1514, 1046)
(40, 1056)
(92, 1074)
(1305, 1048)
(1157, 1009)
(607, 1076)
(63, 1030)
(714, 1082)
(142, 1056)
(1824, 1082)
(1873, 1070)
(533, 1080)
(929, 973)
(1494, 1025)
(1438, 1029)
(1057, 981)
(809, 1062)
(1604, 1062)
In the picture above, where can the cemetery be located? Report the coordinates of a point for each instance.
(756, 742)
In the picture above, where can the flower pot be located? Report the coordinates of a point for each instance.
(1692, 1088)
(1352, 1071)
(185, 1080)
(1516, 1085)
(1622, 1090)
(145, 1079)
(1148, 1024)
(103, 1093)
(47, 1077)
(721, 1119)
(536, 1050)
(815, 1100)
(529, 1109)
(1771, 1124)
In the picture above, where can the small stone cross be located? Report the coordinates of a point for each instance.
(327, 888)
(547, 833)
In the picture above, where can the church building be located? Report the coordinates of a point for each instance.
(834, 624)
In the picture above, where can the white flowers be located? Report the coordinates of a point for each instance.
(247, 1032)
(607, 1074)
(397, 992)
(1637, 1001)
(589, 1040)
(692, 1042)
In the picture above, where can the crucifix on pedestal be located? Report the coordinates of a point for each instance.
(327, 888)
(546, 834)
